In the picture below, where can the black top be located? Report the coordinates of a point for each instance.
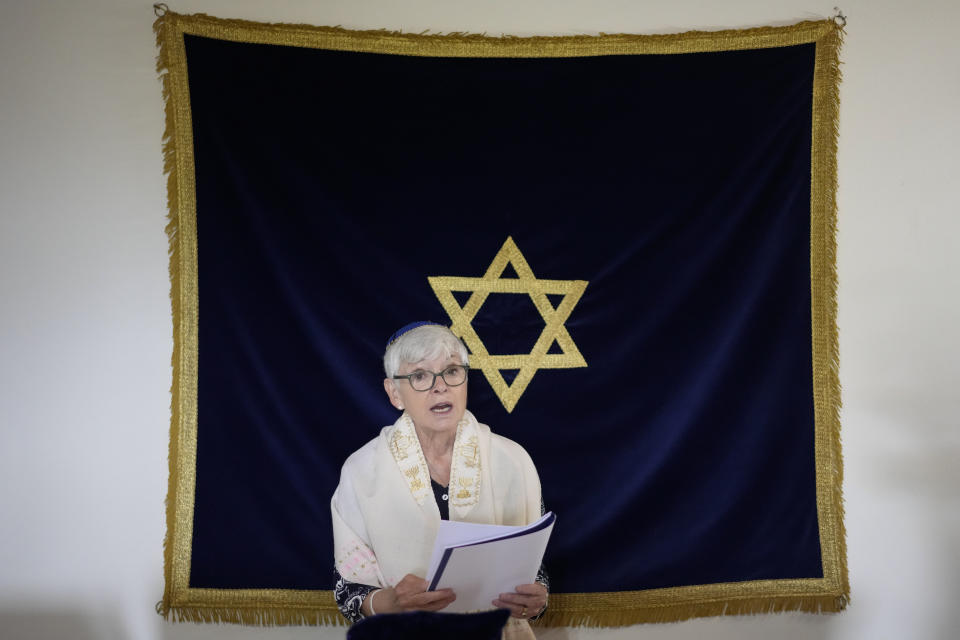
(442, 495)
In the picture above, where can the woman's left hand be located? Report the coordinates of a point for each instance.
(527, 601)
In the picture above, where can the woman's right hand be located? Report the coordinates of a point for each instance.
(411, 594)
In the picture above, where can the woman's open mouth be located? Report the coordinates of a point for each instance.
(443, 407)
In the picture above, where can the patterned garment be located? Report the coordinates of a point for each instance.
(350, 595)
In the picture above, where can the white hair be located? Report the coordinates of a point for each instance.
(423, 343)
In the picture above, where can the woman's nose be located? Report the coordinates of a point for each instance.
(439, 384)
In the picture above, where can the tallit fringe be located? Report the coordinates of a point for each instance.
(685, 611)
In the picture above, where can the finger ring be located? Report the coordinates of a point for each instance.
(523, 614)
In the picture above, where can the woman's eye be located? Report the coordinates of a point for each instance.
(418, 376)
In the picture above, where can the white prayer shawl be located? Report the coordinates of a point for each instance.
(385, 517)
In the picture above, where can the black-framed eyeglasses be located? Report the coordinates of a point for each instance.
(423, 380)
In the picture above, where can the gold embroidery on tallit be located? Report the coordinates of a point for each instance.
(405, 448)
(471, 453)
(465, 469)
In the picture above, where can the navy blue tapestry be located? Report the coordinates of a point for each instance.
(622, 241)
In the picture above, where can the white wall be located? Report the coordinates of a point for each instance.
(85, 333)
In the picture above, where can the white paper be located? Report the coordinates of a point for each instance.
(487, 560)
(452, 534)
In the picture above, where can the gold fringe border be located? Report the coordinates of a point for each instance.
(825, 335)
(260, 616)
(289, 607)
(173, 207)
(574, 617)
(463, 44)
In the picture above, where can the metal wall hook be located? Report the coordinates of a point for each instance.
(839, 18)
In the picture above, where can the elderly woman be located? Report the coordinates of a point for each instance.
(435, 462)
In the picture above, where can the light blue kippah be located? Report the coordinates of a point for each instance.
(409, 327)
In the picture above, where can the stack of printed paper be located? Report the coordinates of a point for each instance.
(481, 561)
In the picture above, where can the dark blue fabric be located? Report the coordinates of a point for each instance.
(330, 185)
(423, 625)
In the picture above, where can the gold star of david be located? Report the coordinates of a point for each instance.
(526, 282)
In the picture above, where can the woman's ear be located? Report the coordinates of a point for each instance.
(392, 393)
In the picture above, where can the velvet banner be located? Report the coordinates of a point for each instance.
(634, 237)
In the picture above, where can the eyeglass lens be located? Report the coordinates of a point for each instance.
(424, 380)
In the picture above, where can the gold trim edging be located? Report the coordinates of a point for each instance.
(279, 606)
